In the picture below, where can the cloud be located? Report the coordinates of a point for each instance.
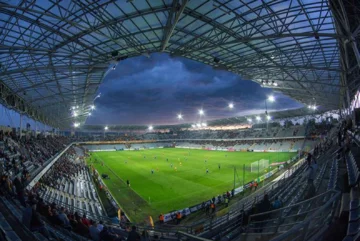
(153, 90)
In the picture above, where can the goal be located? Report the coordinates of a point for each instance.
(259, 166)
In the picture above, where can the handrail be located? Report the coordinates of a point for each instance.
(294, 205)
(304, 224)
(49, 164)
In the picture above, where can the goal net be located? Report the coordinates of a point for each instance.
(259, 166)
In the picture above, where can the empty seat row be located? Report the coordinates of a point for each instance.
(353, 230)
(352, 169)
(333, 175)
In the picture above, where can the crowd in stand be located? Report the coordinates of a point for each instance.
(64, 167)
(55, 215)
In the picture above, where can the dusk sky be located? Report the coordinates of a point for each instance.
(154, 90)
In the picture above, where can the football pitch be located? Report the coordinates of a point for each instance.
(164, 180)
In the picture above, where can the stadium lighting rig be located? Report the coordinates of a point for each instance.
(92, 107)
(268, 117)
(76, 124)
(150, 128)
(201, 112)
(269, 83)
(193, 126)
(89, 114)
(179, 116)
(198, 124)
(231, 105)
(74, 113)
(271, 98)
(258, 118)
(313, 107)
(203, 124)
(106, 128)
(249, 120)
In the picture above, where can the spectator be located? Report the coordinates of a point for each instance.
(31, 219)
(277, 203)
(133, 235)
(312, 172)
(81, 228)
(94, 231)
(63, 218)
(100, 226)
(85, 221)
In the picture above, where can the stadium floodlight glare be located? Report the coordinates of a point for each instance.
(249, 120)
(314, 107)
(258, 118)
(151, 128)
(268, 117)
(231, 105)
(198, 125)
(74, 114)
(203, 124)
(271, 98)
(89, 114)
(106, 128)
(275, 84)
(92, 107)
(201, 112)
(180, 116)
(76, 124)
(193, 126)
(73, 107)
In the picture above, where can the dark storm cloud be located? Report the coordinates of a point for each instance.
(153, 90)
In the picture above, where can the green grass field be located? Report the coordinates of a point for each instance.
(176, 187)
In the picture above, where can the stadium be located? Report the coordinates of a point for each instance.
(229, 120)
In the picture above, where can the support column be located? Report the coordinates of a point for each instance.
(20, 134)
(356, 51)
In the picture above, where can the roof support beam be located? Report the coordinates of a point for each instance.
(57, 68)
(176, 10)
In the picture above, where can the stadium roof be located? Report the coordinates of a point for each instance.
(55, 54)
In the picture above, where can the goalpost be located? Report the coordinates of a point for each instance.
(259, 166)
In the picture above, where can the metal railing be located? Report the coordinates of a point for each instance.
(315, 223)
(318, 212)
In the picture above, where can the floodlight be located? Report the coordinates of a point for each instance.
(76, 124)
(151, 128)
(73, 107)
(77, 107)
(268, 117)
(271, 98)
(258, 118)
(74, 114)
(314, 107)
(89, 114)
(179, 116)
(201, 112)
(275, 84)
(193, 126)
(92, 107)
(231, 105)
(106, 128)
(204, 124)
(249, 120)
(198, 125)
